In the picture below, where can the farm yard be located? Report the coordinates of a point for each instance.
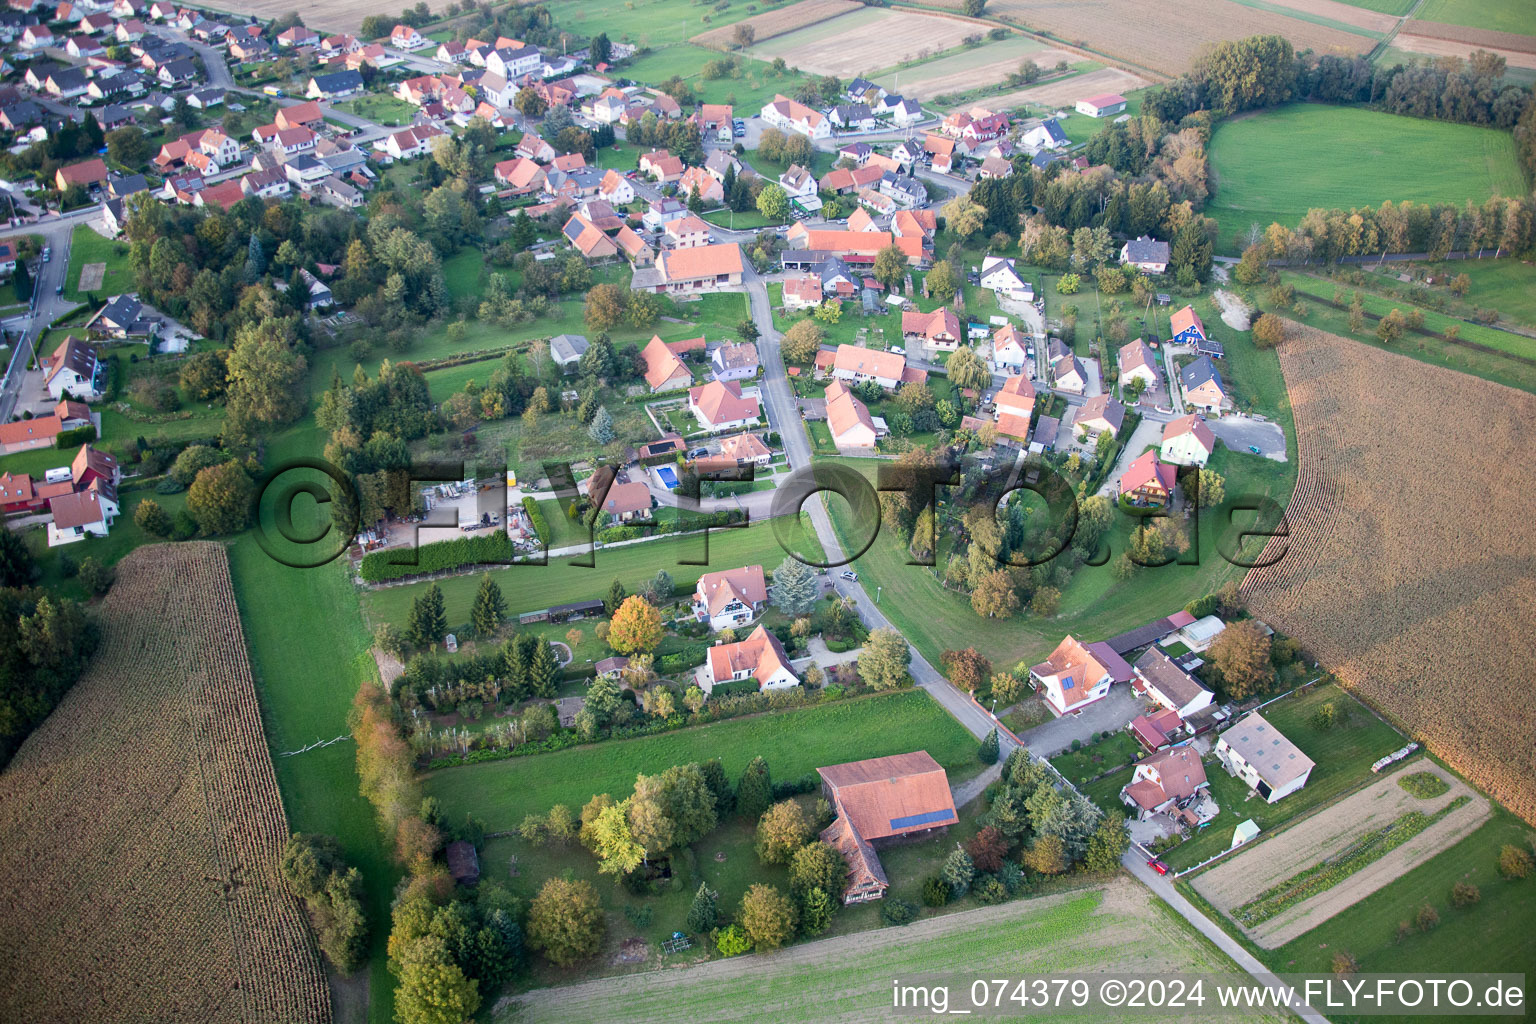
(140, 825)
(773, 23)
(1276, 165)
(847, 978)
(1441, 603)
(1281, 885)
(866, 41)
(1167, 38)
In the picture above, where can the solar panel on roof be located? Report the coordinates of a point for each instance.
(926, 818)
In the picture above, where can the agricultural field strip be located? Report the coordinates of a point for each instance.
(1433, 47)
(1069, 90)
(1347, 13)
(1369, 530)
(847, 978)
(778, 22)
(1245, 876)
(865, 41)
(170, 755)
(972, 69)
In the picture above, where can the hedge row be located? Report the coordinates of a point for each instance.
(76, 437)
(536, 517)
(441, 556)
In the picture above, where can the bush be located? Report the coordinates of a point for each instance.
(1424, 785)
(935, 892)
(76, 437)
(1464, 894)
(1514, 862)
(1427, 919)
(989, 889)
(896, 911)
(732, 688)
(536, 517)
(732, 941)
(443, 555)
(1345, 963)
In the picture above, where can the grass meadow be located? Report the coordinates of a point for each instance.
(1396, 7)
(1276, 165)
(87, 246)
(748, 90)
(1515, 16)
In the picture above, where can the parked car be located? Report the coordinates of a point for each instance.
(1255, 449)
(851, 577)
(698, 453)
(1158, 866)
(47, 253)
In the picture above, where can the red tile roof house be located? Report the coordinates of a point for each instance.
(881, 802)
(87, 173)
(1188, 441)
(40, 431)
(661, 165)
(699, 269)
(520, 174)
(80, 513)
(745, 448)
(719, 405)
(620, 502)
(1147, 481)
(1077, 674)
(1137, 361)
(664, 371)
(731, 597)
(1155, 731)
(760, 656)
(856, 364)
(19, 494)
(1015, 404)
(1163, 682)
(802, 291)
(1169, 782)
(939, 331)
(848, 419)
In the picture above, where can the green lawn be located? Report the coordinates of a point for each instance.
(1274, 166)
(531, 587)
(386, 110)
(1515, 16)
(648, 22)
(744, 220)
(748, 89)
(1343, 757)
(1507, 285)
(1080, 127)
(1078, 766)
(87, 246)
(1494, 366)
(500, 793)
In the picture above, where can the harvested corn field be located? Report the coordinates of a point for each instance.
(1262, 883)
(869, 40)
(1410, 568)
(1069, 90)
(1167, 37)
(140, 825)
(1432, 46)
(777, 22)
(1473, 37)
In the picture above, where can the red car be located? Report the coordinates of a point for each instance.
(1158, 866)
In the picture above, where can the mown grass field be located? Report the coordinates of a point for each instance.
(751, 86)
(500, 793)
(647, 22)
(1276, 165)
(1515, 16)
(1116, 927)
(531, 587)
(87, 246)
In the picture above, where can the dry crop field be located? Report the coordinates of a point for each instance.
(1324, 835)
(866, 41)
(779, 21)
(1166, 37)
(971, 69)
(321, 15)
(1410, 567)
(1473, 37)
(1069, 90)
(141, 826)
(1349, 14)
(1436, 47)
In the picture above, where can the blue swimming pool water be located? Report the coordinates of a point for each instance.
(668, 477)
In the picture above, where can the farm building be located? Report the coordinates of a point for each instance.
(1197, 635)
(1077, 674)
(760, 656)
(1103, 105)
(731, 597)
(880, 801)
(1256, 752)
(463, 862)
(1158, 678)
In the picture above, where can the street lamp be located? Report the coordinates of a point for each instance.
(877, 593)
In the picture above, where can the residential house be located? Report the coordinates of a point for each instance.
(114, 215)
(854, 364)
(861, 90)
(883, 800)
(1137, 361)
(661, 166)
(1186, 326)
(222, 148)
(297, 35)
(1157, 730)
(1103, 105)
(716, 119)
(41, 431)
(791, 116)
(843, 180)
(404, 37)
(802, 291)
(81, 47)
(334, 86)
(1047, 135)
(1145, 254)
(857, 247)
(1015, 404)
(1067, 371)
(178, 72)
(861, 220)
(746, 449)
(1010, 350)
(848, 419)
(89, 174)
(74, 371)
(941, 152)
(36, 37)
(566, 350)
(1000, 275)
(587, 239)
(204, 99)
(721, 163)
(1202, 386)
(411, 142)
(635, 249)
(939, 330)
(1098, 415)
(1146, 481)
(1169, 782)
(664, 371)
(119, 318)
(985, 128)
(293, 141)
(1188, 441)
(698, 269)
(906, 190)
(903, 112)
(78, 514)
(720, 405)
(320, 297)
(734, 362)
(853, 117)
(838, 278)
(995, 167)
(759, 657)
(801, 188)
(129, 31)
(300, 115)
(514, 62)
(1256, 752)
(697, 179)
(305, 171)
(521, 175)
(730, 597)
(622, 501)
(1160, 680)
(616, 189)
(686, 232)
(661, 212)
(1077, 674)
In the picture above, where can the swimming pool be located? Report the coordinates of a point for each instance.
(668, 477)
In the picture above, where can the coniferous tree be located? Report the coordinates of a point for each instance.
(704, 914)
(754, 793)
(543, 671)
(429, 618)
(490, 608)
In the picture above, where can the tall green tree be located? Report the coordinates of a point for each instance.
(490, 608)
(754, 791)
(795, 587)
(428, 622)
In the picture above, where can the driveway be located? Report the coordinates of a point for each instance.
(1241, 431)
(1110, 714)
(1148, 431)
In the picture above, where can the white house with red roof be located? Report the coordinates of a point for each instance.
(848, 420)
(1137, 361)
(404, 37)
(1147, 481)
(720, 405)
(939, 330)
(1105, 104)
(1160, 680)
(731, 597)
(1014, 405)
(1168, 782)
(760, 657)
(1077, 674)
(791, 116)
(1188, 441)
